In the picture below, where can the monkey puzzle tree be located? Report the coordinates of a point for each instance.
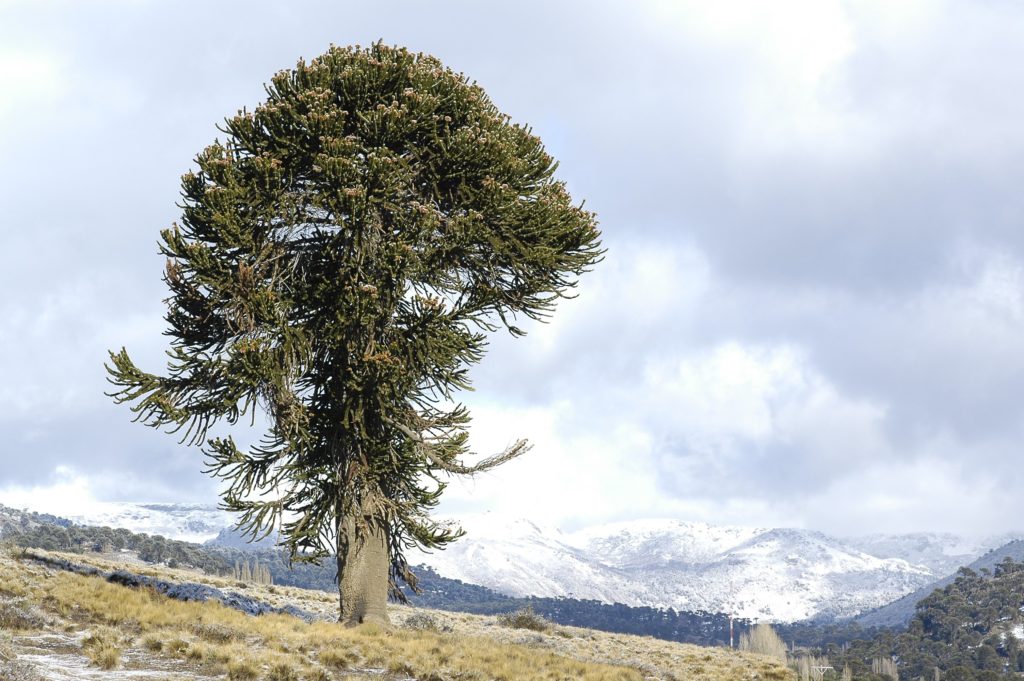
(341, 256)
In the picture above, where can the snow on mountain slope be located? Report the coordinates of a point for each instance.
(788, 575)
(518, 558)
(770, 574)
(777, 574)
(632, 544)
(185, 522)
(942, 553)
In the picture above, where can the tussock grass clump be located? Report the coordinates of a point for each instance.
(421, 621)
(106, 657)
(763, 640)
(524, 618)
(338, 659)
(282, 671)
(17, 614)
(101, 636)
(103, 647)
(154, 643)
(243, 670)
(197, 652)
(176, 646)
(315, 674)
(214, 633)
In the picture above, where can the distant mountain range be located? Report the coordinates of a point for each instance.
(942, 553)
(769, 574)
(773, 574)
(184, 522)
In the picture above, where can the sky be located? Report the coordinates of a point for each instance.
(811, 309)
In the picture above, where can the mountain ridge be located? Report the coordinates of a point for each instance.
(774, 574)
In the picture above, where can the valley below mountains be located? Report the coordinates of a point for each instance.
(766, 574)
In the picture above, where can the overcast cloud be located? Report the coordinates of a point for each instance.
(811, 312)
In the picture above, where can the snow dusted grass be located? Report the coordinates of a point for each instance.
(103, 647)
(138, 632)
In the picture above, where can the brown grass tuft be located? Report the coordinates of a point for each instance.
(214, 633)
(315, 674)
(338, 659)
(282, 671)
(525, 618)
(102, 647)
(106, 657)
(243, 670)
(154, 643)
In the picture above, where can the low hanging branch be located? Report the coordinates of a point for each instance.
(454, 467)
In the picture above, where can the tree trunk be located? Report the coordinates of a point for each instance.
(363, 567)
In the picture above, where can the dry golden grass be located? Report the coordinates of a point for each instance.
(103, 647)
(763, 640)
(105, 657)
(243, 669)
(216, 640)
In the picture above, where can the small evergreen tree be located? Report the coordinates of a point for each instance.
(340, 259)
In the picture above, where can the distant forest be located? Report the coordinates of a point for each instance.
(969, 630)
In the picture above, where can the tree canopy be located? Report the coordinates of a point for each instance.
(341, 257)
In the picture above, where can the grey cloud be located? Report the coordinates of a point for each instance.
(125, 464)
(851, 253)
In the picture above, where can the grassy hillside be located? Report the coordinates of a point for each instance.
(86, 627)
(700, 628)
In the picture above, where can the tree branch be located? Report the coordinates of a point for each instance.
(518, 449)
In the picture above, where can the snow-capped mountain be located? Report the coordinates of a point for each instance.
(640, 543)
(185, 522)
(942, 553)
(771, 574)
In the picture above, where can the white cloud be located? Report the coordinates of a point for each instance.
(67, 493)
(924, 492)
(29, 80)
(655, 420)
(728, 390)
(568, 477)
(783, 61)
(777, 325)
(690, 433)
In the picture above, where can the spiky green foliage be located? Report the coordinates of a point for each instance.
(340, 258)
